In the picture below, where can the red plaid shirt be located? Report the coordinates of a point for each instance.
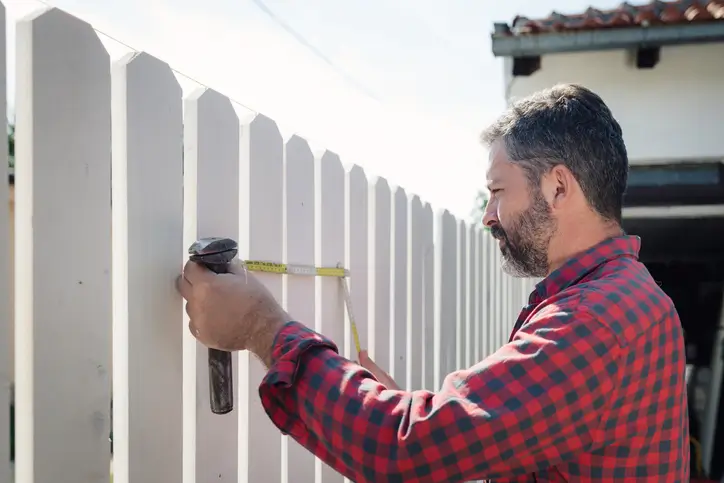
(590, 388)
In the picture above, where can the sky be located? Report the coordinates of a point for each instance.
(401, 88)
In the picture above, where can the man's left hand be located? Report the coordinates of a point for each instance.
(231, 311)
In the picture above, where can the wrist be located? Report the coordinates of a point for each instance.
(267, 327)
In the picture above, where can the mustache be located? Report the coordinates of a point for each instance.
(497, 232)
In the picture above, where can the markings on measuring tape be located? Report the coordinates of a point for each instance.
(311, 271)
(291, 269)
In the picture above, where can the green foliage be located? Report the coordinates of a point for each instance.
(481, 201)
(11, 145)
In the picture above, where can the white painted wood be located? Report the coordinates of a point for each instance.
(398, 308)
(415, 301)
(494, 295)
(461, 297)
(356, 219)
(472, 296)
(62, 251)
(483, 287)
(7, 335)
(299, 292)
(428, 295)
(211, 190)
(261, 238)
(147, 249)
(379, 235)
(445, 295)
(329, 252)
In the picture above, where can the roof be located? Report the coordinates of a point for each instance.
(652, 24)
(654, 13)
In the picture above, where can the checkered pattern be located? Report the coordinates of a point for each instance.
(590, 388)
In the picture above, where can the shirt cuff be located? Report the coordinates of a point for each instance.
(277, 393)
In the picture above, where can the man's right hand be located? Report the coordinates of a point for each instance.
(382, 376)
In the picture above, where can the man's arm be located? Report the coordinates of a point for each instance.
(532, 404)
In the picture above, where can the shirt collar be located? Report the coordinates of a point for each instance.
(584, 263)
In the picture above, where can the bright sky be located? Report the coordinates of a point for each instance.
(399, 87)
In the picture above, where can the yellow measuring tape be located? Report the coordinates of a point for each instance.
(311, 271)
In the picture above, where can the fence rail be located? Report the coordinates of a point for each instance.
(117, 173)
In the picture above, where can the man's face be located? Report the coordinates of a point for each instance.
(518, 216)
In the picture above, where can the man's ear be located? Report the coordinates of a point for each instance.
(560, 185)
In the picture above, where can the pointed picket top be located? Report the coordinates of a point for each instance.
(263, 131)
(331, 163)
(214, 101)
(357, 173)
(301, 149)
(63, 30)
(145, 68)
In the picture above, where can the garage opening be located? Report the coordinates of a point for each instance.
(678, 211)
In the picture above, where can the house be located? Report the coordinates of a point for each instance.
(660, 67)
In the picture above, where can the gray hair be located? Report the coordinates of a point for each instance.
(568, 125)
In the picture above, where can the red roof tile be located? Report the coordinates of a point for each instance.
(655, 13)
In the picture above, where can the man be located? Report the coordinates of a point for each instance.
(590, 386)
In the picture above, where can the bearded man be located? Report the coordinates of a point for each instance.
(590, 386)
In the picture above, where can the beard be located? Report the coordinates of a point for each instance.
(525, 243)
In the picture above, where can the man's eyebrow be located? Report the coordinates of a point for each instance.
(493, 182)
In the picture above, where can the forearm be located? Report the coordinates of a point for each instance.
(493, 420)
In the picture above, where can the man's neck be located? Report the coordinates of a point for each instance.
(576, 238)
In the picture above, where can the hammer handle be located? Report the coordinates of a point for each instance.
(221, 381)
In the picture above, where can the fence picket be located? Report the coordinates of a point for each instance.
(7, 346)
(490, 293)
(356, 219)
(415, 301)
(472, 294)
(330, 243)
(63, 296)
(479, 321)
(445, 296)
(211, 190)
(460, 295)
(147, 247)
(398, 316)
(428, 295)
(261, 238)
(299, 292)
(379, 266)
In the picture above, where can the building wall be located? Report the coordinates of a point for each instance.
(674, 111)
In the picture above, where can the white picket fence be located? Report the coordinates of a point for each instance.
(98, 245)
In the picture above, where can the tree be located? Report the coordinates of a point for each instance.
(481, 201)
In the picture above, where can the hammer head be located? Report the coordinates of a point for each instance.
(214, 251)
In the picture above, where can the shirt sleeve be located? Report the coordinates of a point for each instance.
(534, 403)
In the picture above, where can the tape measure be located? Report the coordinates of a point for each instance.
(311, 271)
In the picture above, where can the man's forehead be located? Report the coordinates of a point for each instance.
(499, 166)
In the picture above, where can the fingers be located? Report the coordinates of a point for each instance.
(184, 287)
(197, 273)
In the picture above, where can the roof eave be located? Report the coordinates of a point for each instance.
(608, 39)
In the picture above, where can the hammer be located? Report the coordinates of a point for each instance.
(216, 254)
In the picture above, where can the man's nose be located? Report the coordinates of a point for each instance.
(490, 216)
